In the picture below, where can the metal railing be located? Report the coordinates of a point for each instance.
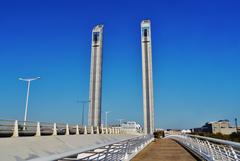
(209, 148)
(15, 128)
(124, 150)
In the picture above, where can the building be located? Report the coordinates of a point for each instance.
(221, 126)
(147, 78)
(186, 131)
(95, 93)
(131, 127)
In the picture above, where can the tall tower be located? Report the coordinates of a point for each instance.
(147, 78)
(95, 94)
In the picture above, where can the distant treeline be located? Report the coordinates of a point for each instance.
(232, 137)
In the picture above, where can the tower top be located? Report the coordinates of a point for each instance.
(145, 23)
(98, 28)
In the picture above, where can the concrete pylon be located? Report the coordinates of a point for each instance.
(54, 129)
(110, 130)
(77, 130)
(147, 78)
(67, 130)
(85, 129)
(106, 131)
(38, 130)
(95, 93)
(92, 132)
(102, 132)
(97, 130)
(15, 129)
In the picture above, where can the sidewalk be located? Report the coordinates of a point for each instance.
(164, 150)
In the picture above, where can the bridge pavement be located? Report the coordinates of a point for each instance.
(164, 150)
(25, 148)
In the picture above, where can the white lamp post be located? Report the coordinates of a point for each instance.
(83, 103)
(28, 80)
(106, 114)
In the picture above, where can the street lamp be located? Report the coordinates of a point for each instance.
(236, 125)
(106, 113)
(83, 103)
(28, 80)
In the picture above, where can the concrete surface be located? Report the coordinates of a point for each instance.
(164, 150)
(25, 148)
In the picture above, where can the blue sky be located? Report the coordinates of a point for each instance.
(196, 55)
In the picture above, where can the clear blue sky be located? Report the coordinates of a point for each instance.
(196, 59)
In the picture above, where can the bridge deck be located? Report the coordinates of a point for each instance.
(164, 150)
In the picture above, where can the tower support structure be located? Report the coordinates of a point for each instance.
(95, 94)
(147, 77)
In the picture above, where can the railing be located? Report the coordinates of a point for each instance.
(124, 150)
(6, 127)
(15, 128)
(208, 148)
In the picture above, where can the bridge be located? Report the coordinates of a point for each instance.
(42, 141)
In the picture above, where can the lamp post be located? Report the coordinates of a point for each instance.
(28, 80)
(106, 115)
(83, 106)
(236, 125)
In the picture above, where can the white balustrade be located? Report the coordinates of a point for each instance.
(15, 128)
(209, 148)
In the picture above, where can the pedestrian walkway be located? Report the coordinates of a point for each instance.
(164, 150)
